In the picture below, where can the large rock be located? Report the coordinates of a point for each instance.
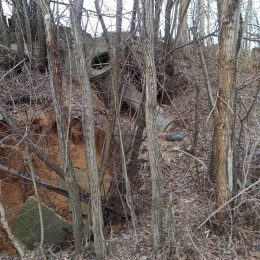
(27, 228)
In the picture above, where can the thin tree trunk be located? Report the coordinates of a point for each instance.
(112, 111)
(229, 39)
(17, 244)
(201, 17)
(18, 30)
(29, 163)
(157, 15)
(167, 25)
(4, 38)
(27, 28)
(150, 114)
(89, 131)
(56, 85)
(41, 41)
(133, 19)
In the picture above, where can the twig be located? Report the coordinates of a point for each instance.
(9, 71)
(222, 206)
(193, 243)
(21, 175)
(28, 161)
(190, 155)
(19, 247)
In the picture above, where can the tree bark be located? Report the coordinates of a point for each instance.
(229, 40)
(41, 41)
(27, 28)
(56, 85)
(89, 131)
(150, 114)
(18, 30)
(157, 15)
(4, 38)
(133, 19)
(182, 34)
(167, 25)
(113, 91)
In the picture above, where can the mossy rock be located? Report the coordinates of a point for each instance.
(27, 228)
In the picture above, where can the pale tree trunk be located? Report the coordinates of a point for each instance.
(248, 26)
(150, 115)
(56, 87)
(208, 16)
(117, 82)
(4, 38)
(182, 34)
(41, 40)
(174, 29)
(112, 111)
(18, 30)
(157, 15)
(250, 31)
(133, 19)
(89, 130)
(219, 13)
(201, 17)
(32, 10)
(115, 53)
(27, 28)
(225, 128)
(167, 25)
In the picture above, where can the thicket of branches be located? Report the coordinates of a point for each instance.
(164, 39)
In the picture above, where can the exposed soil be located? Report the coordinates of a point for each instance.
(14, 192)
(189, 194)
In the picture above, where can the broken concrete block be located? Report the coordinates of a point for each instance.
(133, 99)
(27, 228)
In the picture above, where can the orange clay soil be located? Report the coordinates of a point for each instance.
(14, 192)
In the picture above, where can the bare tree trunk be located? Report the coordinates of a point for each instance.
(27, 28)
(89, 131)
(201, 17)
(246, 31)
(4, 38)
(56, 85)
(18, 30)
(182, 34)
(133, 19)
(157, 15)
(229, 47)
(167, 25)
(150, 115)
(41, 40)
(112, 111)
(32, 12)
(17, 244)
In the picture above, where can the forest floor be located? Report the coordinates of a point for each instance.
(189, 195)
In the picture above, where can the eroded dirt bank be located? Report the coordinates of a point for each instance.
(14, 191)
